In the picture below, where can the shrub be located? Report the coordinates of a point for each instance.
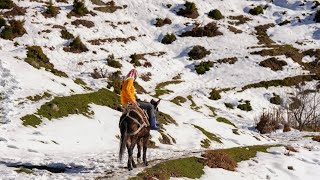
(161, 22)
(85, 23)
(6, 4)
(286, 128)
(168, 38)
(189, 11)
(268, 122)
(15, 29)
(316, 138)
(256, 11)
(220, 159)
(66, 34)
(215, 94)
(317, 17)
(2, 22)
(276, 99)
(203, 67)
(135, 59)
(51, 10)
(245, 107)
(79, 9)
(76, 46)
(112, 62)
(114, 81)
(229, 105)
(198, 52)
(273, 63)
(209, 30)
(215, 14)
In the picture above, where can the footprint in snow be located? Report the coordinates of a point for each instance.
(12, 146)
(31, 150)
(3, 139)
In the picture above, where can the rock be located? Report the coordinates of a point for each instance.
(55, 107)
(290, 167)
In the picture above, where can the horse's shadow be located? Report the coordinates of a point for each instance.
(51, 167)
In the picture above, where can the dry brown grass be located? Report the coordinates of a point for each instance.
(85, 23)
(273, 63)
(219, 159)
(238, 20)
(100, 41)
(316, 138)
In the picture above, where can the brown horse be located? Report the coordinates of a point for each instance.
(134, 131)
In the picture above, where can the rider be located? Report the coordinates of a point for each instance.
(127, 96)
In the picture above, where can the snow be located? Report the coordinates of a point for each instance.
(88, 146)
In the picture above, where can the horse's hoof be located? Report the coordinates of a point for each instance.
(146, 163)
(129, 169)
(134, 166)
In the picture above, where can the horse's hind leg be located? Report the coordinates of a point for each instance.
(145, 147)
(134, 142)
(139, 144)
(130, 152)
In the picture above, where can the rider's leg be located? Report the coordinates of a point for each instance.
(151, 113)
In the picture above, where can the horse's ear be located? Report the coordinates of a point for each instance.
(158, 102)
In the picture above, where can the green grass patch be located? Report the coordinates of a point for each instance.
(160, 92)
(39, 97)
(224, 120)
(213, 110)
(205, 143)
(24, 170)
(165, 119)
(75, 104)
(245, 153)
(246, 106)
(193, 104)
(229, 105)
(215, 94)
(191, 167)
(178, 100)
(209, 135)
(289, 81)
(160, 88)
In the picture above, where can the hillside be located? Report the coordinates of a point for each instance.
(215, 73)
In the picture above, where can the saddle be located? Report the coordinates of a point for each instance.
(140, 112)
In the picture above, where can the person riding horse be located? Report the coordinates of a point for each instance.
(127, 96)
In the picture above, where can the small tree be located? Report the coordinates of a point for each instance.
(215, 14)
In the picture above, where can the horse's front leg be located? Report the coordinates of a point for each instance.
(139, 150)
(145, 147)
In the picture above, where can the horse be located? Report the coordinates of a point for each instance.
(134, 131)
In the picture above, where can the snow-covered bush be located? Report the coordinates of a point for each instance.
(256, 11)
(15, 29)
(246, 106)
(189, 11)
(198, 52)
(215, 14)
(168, 38)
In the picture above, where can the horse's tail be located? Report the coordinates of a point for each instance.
(123, 138)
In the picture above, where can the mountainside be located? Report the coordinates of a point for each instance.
(217, 65)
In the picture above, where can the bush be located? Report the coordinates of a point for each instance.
(6, 4)
(161, 22)
(215, 14)
(215, 94)
(220, 159)
(66, 35)
(76, 46)
(209, 30)
(112, 62)
(203, 67)
(2, 22)
(286, 128)
(15, 29)
(229, 105)
(273, 63)
(317, 17)
(114, 81)
(268, 123)
(276, 99)
(189, 11)
(135, 59)
(51, 10)
(198, 52)
(316, 138)
(168, 38)
(79, 9)
(256, 11)
(245, 107)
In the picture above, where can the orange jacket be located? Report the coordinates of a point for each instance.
(127, 92)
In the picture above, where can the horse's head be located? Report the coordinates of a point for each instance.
(155, 104)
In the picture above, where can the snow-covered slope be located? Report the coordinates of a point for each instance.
(87, 147)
